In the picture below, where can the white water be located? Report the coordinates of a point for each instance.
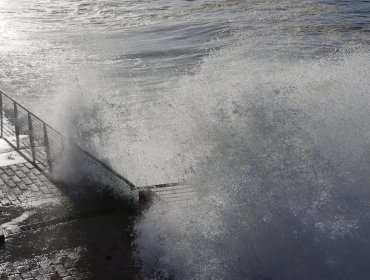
(281, 153)
(261, 105)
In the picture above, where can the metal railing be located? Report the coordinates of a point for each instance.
(43, 146)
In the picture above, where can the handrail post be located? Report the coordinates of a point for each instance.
(32, 137)
(16, 125)
(47, 148)
(1, 112)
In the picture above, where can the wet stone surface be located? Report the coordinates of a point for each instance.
(22, 183)
(65, 264)
(52, 232)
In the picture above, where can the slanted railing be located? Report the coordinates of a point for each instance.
(43, 146)
(35, 140)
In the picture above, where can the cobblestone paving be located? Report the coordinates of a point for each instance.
(103, 262)
(65, 264)
(90, 254)
(23, 183)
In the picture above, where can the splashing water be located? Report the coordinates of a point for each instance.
(262, 103)
(282, 173)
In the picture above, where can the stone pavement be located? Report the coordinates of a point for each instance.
(55, 231)
(61, 265)
(23, 183)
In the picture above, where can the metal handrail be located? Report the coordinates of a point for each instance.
(28, 111)
(46, 128)
(119, 176)
(159, 186)
(47, 167)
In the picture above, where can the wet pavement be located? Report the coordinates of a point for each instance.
(23, 183)
(59, 231)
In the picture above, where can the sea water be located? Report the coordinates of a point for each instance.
(261, 106)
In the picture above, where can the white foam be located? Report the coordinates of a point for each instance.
(281, 174)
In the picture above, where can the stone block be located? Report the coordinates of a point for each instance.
(42, 178)
(36, 171)
(25, 169)
(39, 184)
(32, 176)
(29, 165)
(16, 191)
(4, 177)
(16, 179)
(22, 186)
(9, 172)
(13, 167)
(20, 174)
(34, 188)
(10, 184)
(27, 181)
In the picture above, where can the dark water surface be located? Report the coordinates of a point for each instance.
(136, 45)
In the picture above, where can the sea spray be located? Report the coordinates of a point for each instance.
(280, 150)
